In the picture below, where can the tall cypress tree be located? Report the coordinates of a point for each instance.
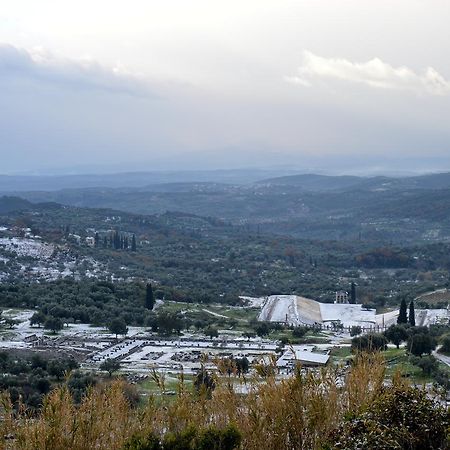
(149, 297)
(133, 243)
(412, 315)
(116, 240)
(353, 293)
(402, 316)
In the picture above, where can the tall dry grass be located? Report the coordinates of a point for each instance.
(295, 413)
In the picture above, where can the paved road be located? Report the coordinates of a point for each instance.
(443, 358)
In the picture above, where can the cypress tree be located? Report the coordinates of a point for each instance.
(133, 243)
(353, 293)
(402, 316)
(149, 297)
(96, 240)
(412, 315)
(116, 240)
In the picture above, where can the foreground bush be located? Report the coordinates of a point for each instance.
(401, 417)
(191, 438)
(306, 411)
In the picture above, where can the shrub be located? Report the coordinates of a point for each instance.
(400, 418)
(302, 412)
(428, 364)
(369, 342)
(299, 332)
(149, 442)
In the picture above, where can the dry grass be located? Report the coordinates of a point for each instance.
(299, 412)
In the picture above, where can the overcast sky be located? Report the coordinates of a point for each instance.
(175, 84)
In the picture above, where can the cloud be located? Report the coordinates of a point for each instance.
(42, 66)
(374, 73)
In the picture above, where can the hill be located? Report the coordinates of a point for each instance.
(318, 183)
(9, 204)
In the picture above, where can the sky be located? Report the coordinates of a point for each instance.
(319, 85)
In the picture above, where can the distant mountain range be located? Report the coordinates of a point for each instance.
(185, 180)
(11, 183)
(323, 183)
(306, 205)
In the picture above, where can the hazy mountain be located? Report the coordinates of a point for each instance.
(324, 183)
(11, 183)
(316, 206)
(312, 182)
(9, 204)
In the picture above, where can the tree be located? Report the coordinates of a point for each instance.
(56, 369)
(369, 342)
(428, 364)
(445, 345)
(96, 240)
(262, 329)
(211, 332)
(110, 366)
(420, 343)
(168, 322)
(118, 326)
(149, 297)
(396, 334)
(133, 243)
(355, 330)
(412, 314)
(402, 316)
(38, 318)
(299, 332)
(242, 366)
(353, 293)
(54, 324)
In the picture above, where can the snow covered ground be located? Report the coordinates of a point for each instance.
(39, 260)
(254, 302)
(139, 352)
(27, 247)
(349, 315)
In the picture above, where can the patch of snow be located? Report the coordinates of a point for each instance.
(27, 247)
(214, 313)
(254, 302)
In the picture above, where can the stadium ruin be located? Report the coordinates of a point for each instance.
(295, 310)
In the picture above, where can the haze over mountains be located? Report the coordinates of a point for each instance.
(302, 205)
(9, 183)
(275, 177)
